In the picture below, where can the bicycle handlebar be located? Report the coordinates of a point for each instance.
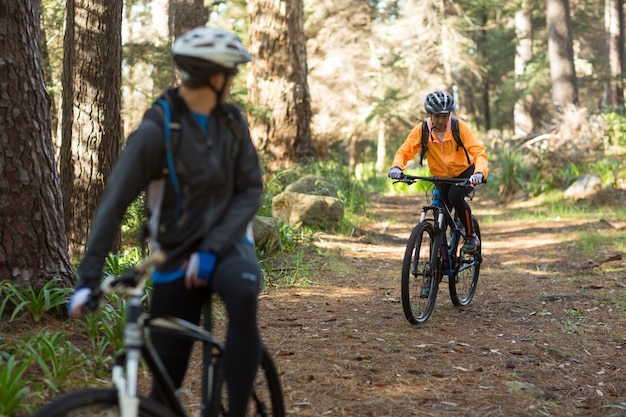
(410, 179)
(126, 281)
(129, 279)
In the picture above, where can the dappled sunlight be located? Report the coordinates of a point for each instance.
(538, 272)
(362, 248)
(302, 293)
(525, 242)
(484, 211)
(524, 226)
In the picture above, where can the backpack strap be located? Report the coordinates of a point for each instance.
(156, 188)
(425, 136)
(172, 134)
(456, 134)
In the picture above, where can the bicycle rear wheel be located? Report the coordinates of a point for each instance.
(464, 281)
(98, 403)
(420, 276)
(267, 395)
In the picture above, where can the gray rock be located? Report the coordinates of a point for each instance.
(311, 184)
(266, 234)
(299, 209)
(584, 187)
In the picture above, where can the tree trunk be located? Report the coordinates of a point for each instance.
(91, 124)
(277, 83)
(381, 146)
(186, 15)
(33, 245)
(355, 154)
(614, 24)
(522, 112)
(561, 54)
(486, 84)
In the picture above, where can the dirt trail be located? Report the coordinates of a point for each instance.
(544, 335)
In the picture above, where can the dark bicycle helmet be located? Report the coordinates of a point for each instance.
(204, 50)
(439, 102)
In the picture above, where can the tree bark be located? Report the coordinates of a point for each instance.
(561, 54)
(186, 15)
(91, 122)
(381, 146)
(33, 245)
(614, 24)
(486, 84)
(277, 83)
(522, 112)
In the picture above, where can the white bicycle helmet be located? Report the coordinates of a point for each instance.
(212, 45)
(439, 102)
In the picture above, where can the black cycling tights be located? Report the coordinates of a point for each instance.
(454, 197)
(237, 281)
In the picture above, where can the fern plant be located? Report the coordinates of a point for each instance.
(14, 388)
(49, 299)
(4, 296)
(55, 356)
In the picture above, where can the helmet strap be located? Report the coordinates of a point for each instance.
(206, 82)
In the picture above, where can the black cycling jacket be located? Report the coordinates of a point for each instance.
(220, 179)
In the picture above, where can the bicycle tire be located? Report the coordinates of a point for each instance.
(418, 270)
(267, 396)
(464, 281)
(98, 402)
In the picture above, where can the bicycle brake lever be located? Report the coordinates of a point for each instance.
(404, 179)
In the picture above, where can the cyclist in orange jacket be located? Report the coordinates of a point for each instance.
(446, 159)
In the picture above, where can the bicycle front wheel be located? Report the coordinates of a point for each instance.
(420, 280)
(464, 281)
(98, 403)
(267, 395)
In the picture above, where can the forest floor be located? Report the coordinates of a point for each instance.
(545, 334)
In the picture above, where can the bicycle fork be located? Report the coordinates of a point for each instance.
(133, 341)
(443, 246)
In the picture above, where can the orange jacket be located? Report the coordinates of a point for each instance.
(444, 160)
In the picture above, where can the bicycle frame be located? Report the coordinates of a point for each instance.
(138, 346)
(442, 219)
(162, 381)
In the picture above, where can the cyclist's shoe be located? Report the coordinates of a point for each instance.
(425, 290)
(471, 244)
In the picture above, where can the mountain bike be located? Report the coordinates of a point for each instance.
(123, 400)
(430, 255)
